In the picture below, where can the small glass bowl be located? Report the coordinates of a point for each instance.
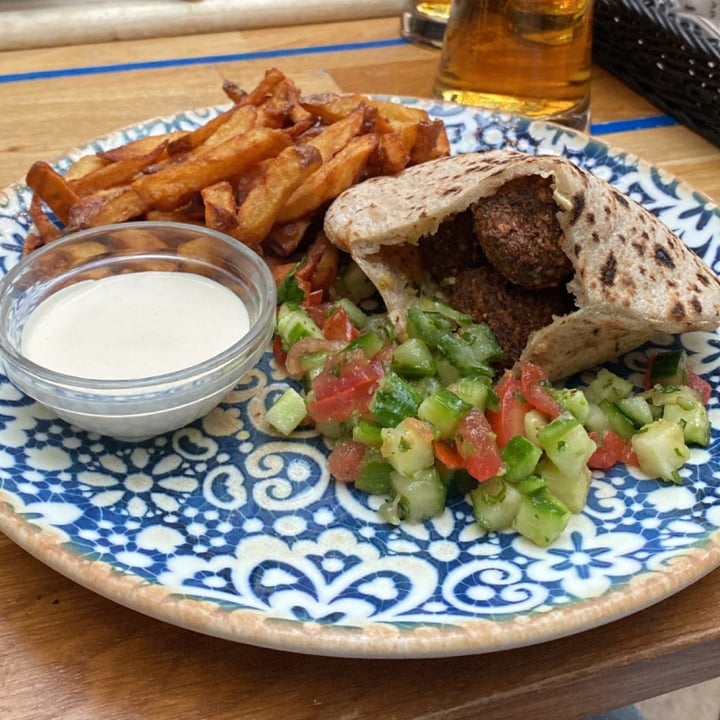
(136, 409)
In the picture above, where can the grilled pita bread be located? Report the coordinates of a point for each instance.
(632, 276)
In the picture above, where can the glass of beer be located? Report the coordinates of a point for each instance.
(530, 57)
(424, 21)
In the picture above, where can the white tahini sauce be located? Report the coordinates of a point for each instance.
(134, 325)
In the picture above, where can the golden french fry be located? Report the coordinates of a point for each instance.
(265, 88)
(429, 134)
(262, 170)
(337, 174)
(137, 239)
(85, 165)
(335, 137)
(121, 172)
(235, 122)
(140, 147)
(106, 207)
(331, 107)
(283, 176)
(47, 231)
(53, 188)
(392, 155)
(242, 120)
(284, 238)
(399, 112)
(170, 187)
(220, 206)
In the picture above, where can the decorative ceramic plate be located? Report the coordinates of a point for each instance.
(230, 530)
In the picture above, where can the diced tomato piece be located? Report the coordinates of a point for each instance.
(346, 460)
(344, 386)
(448, 455)
(700, 384)
(533, 384)
(279, 354)
(338, 326)
(509, 419)
(475, 443)
(317, 311)
(611, 450)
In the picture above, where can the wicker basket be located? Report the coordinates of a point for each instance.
(672, 60)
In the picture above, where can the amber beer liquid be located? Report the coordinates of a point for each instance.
(530, 57)
(424, 21)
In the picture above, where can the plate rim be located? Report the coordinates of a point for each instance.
(371, 639)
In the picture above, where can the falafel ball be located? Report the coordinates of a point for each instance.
(512, 312)
(520, 235)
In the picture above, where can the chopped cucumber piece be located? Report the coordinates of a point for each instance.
(367, 433)
(443, 410)
(467, 352)
(394, 400)
(541, 517)
(374, 477)
(637, 409)
(430, 327)
(617, 420)
(567, 444)
(287, 412)
(458, 483)
(357, 317)
(476, 391)
(608, 386)
(417, 497)
(596, 421)
(293, 323)
(693, 420)
(531, 484)
(669, 368)
(572, 400)
(413, 359)
(369, 342)
(354, 284)
(661, 449)
(571, 489)
(533, 423)
(495, 504)
(520, 457)
(409, 446)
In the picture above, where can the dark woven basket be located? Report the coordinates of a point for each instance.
(673, 62)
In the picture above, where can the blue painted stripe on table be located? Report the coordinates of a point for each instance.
(644, 123)
(204, 60)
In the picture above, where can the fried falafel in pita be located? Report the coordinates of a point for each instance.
(567, 270)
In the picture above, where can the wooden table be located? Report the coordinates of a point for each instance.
(69, 653)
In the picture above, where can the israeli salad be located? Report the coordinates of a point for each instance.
(427, 419)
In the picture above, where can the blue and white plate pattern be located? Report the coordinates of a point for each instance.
(229, 529)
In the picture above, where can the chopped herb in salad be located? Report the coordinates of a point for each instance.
(430, 418)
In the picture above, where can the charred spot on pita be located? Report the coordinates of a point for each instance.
(677, 312)
(663, 258)
(608, 270)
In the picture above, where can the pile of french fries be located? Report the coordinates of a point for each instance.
(262, 171)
